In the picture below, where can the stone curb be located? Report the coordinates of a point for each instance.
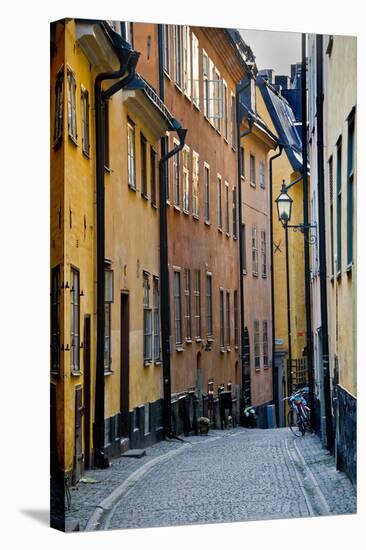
(105, 508)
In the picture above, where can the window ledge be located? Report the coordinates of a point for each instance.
(154, 205)
(57, 142)
(195, 217)
(76, 373)
(176, 208)
(244, 271)
(157, 363)
(242, 177)
(235, 237)
(210, 338)
(55, 373)
(227, 234)
(255, 274)
(198, 339)
(222, 350)
(178, 88)
(228, 348)
(189, 340)
(331, 279)
(257, 369)
(349, 267)
(144, 196)
(74, 140)
(108, 372)
(179, 348)
(236, 348)
(147, 363)
(167, 74)
(226, 140)
(264, 276)
(207, 223)
(339, 274)
(168, 202)
(107, 169)
(219, 229)
(266, 367)
(132, 187)
(252, 184)
(186, 212)
(196, 106)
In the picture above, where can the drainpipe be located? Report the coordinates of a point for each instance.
(126, 57)
(240, 135)
(274, 370)
(309, 336)
(164, 286)
(321, 237)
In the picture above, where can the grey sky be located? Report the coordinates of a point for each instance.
(274, 50)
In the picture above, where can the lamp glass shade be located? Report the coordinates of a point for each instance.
(284, 207)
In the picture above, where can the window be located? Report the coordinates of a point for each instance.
(55, 320)
(187, 299)
(331, 214)
(167, 168)
(186, 61)
(85, 121)
(186, 160)
(106, 135)
(209, 304)
(157, 350)
(225, 108)
(228, 332)
(264, 253)
(227, 216)
(195, 72)
(207, 192)
(222, 320)
(131, 156)
(197, 303)
(147, 348)
(166, 48)
(339, 206)
(350, 175)
(242, 162)
(219, 202)
(195, 184)
(178, 69)
(217, 99)
(71, 105)
(153, 176)
(75, 320)
(265, 344)
(205, 79)
(244, 249)
(108, 300)
(177, 309)
(254, 250)
(232, 121)
(252, 170)
(59, 98)
(143, 145)
(234, 214)
(236, 319)
(176, 177)
(257, 351)
(262, 175)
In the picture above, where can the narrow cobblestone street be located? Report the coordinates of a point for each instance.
(234, 475)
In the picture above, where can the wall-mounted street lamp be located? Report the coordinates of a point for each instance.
(284, 210)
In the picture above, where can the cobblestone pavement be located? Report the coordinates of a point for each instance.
(231, 475)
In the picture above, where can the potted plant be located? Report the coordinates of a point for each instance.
(203, 424)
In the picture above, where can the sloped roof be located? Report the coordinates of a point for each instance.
(284, 121)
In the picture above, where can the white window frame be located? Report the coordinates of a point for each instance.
(255, 250)
(197, 303)
(219, 202)
(227, 211)
(233, 120)
(195, 184)
(252, 170)
(206, 172)
(264, 253)
(195, 72)
(225, 112)
(177, 307)
(131, 154)
(262, 175)
(205, 79)
(59, 107)
(187, 75)
(156, 319)
(257, 346)
(176, 177)
(71, 105)
(209, 309)
(186, 158)
(187, 305)
(178, 57)
(147, 321)
(166, 49)
(222, 318)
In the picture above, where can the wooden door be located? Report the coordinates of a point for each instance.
(125, 365)
(78, 460)
(87, 390)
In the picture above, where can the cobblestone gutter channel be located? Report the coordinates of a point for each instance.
(235, 475)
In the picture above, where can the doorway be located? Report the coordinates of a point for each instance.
(125, 365)
(87, 391)
(247, 394)
(199, 386)
(78, 433)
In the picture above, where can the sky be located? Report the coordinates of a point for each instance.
(274, 50)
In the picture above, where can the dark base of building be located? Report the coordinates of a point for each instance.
(346, 434)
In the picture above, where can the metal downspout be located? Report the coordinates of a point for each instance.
(309, 336)
(274, 371)
(164, 286)
(321, 237)
(98, 433)
(241, 257)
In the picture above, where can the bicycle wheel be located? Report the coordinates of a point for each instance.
(293, 424)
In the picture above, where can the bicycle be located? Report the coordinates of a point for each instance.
(298, 417)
